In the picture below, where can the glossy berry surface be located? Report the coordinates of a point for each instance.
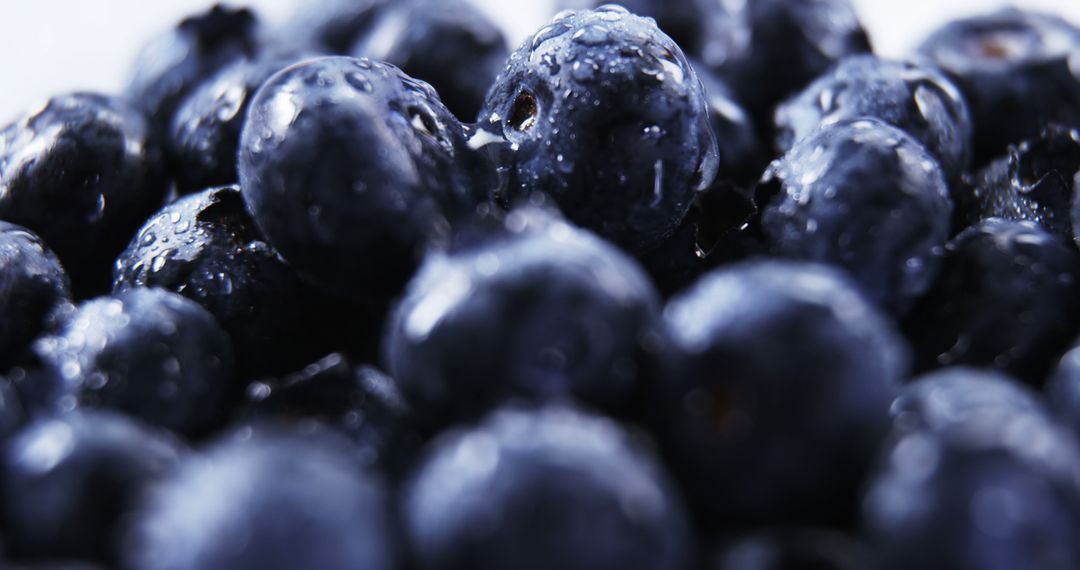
(1006, 298)
(82, 172)
(551, 488)
(69, 482)
(866, 197)
(916, 99)
(148, 352)
(546, 312)
(450, 44)
(174, 63)
(204, 134)
(742, 158)
(1036, 180)
(1016, 70)
(360, 401)
(350, 167)
(32, 286)
(760, 439)
(976, 481)
(271, 501)
(207, 248)
(604, 113)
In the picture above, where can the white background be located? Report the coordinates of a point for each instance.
(53, 46)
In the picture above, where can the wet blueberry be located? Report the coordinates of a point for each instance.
(269, 501)
(977, 480)
(1007, 298)
(796, 549)
(148, 352)
(207, 248)
(205, 130)
(604, 113)
(1035, 181)
(543, 489)
(864, 196)
(546, 311)
(360, 401)
(174, 63)
(1017, 71)
(742, 157)
(915, 98)
(82, 172)
(331, 26)
(450, 44)
(68, 482)
(32, 286)
(350, 167)
(779, 386)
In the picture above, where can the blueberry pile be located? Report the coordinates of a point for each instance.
(674, 285)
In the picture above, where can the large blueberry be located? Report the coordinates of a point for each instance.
(32, 286)
(1017, 70)
(82, 172)
(1008, 297)
(350, 167)
(780, 380)
(915, 98)
(864, 196)
(535, 490)
(604, 113)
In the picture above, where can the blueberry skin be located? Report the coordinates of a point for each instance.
(204, 137)
(979, 481)
(796, 549)
(1007, 298)
(742, 156)
(69, 481)
(1014, 68)
(82, 173)
(759, 439)
(1035, 180)
(546, 312)
(550, 488)
(604, 114)
(151, 353)
(450, 44)
(270, 501)
(331, 26)
(350, 167)
(914, 97)
(32, 286)
(174, 63)
(864, 196)
(359, 401)
(207, 248)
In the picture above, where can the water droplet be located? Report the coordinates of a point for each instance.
(591, 35)
(584, 70)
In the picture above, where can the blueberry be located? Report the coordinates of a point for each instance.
(82, 172)
(779, 385)
(605, 114)
(149, 352)
(272, 501)
(350, 167)
(332, 26)
(1063, 389)
(955, 398)
(1017, 71)
(864, 196)
(1007, 298)
(916, 98)
(796, 549)
(207, 248)
(174, 63)
(360, 401)
(985, 483)
(68, 482)
(32, 286)
(550, 488)
(1035, 181)
(742, 157)
(546, 312)
(450, 44)
(204, 136)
